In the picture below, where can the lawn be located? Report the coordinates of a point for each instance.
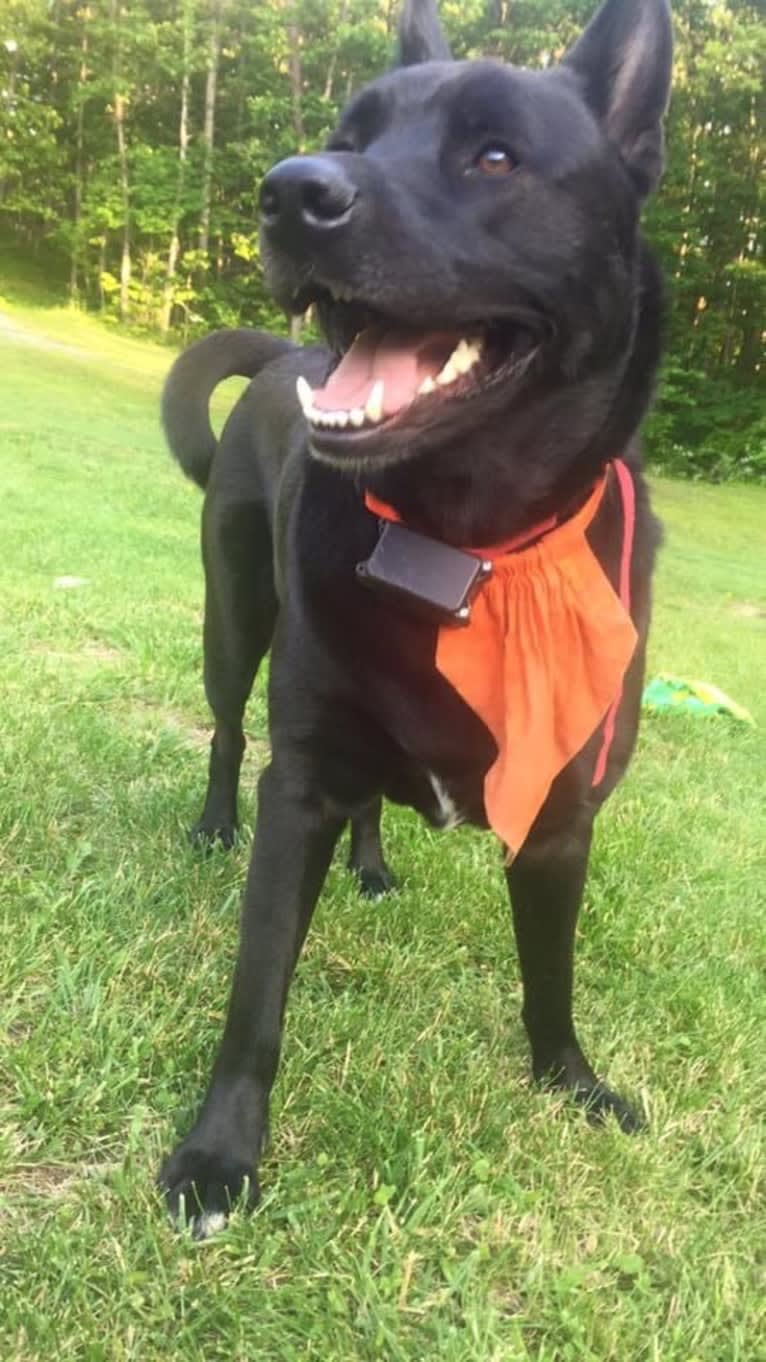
(422, 1201)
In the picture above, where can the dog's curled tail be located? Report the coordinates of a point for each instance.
(190, 383)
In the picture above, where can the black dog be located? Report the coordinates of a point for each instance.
(469, 241)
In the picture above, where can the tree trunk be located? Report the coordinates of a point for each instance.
(296, 82)
(10, 96)
(750, 349)
(119, 109)
(78, 164)
(101, 272)
(208, 129)
(751, 345)
(330, 81)
(122, 152)
(174, 249)
(296, 89)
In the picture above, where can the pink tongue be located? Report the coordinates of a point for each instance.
(402, 359)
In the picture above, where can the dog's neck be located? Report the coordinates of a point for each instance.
(539, 456)
(504, 496)
(383, 511)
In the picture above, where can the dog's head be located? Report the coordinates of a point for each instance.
(469, 235)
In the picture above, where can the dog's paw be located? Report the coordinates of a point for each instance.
(206, 836)
(570, 1073)
(201, 1188)
(374, 882)
(598, 1102)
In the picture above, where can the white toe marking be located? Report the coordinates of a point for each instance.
(210, 1223)
(450, 814)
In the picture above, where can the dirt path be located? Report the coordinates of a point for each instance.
(11, 331)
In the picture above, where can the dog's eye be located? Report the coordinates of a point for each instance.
(494, 160)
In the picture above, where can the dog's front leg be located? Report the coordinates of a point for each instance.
(294, 840)
(546, 882)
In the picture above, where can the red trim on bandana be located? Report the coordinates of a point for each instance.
(628, 493)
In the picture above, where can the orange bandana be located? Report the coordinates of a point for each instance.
(542, 660)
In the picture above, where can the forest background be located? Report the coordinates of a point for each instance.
(133, 137)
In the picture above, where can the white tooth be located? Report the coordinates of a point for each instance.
(427, 386)
(457, 358)
(462, 357)
(356, 416)
(341, 419)
(305, 395)
(374, 408)
(320, 418)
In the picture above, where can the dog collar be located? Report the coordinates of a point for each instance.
(383, 511)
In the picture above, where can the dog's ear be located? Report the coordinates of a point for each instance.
(623, 61)
(421, 36)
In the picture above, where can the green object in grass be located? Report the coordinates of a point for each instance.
(665, 692)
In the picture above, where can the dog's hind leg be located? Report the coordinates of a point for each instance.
(546, 882)
(366, 857)
(240, 611)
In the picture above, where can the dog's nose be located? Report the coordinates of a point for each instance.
(307, 191)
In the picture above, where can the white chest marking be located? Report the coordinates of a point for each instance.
(448, 810)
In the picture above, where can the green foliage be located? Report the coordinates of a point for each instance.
(707, 427)
(283, 69)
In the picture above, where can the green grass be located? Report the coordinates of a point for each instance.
(422, 1201)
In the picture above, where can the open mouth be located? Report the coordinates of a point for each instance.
(385, 371)
(392, 375)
